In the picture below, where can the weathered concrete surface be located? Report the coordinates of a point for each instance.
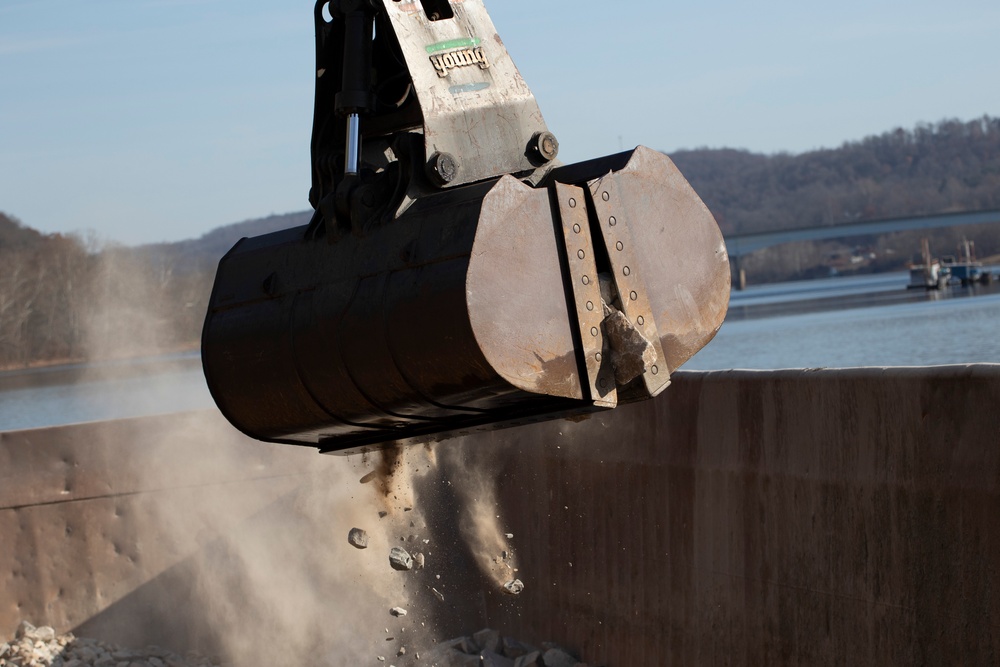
(766, 518)
(800, 517)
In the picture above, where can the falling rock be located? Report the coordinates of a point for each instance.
(369, 477)
(631, 353)
(514, 587)
(438, 594)
(556, 657)
(397, 612)
(400, 560)
(358, 538)
(533, 659)
(418, 560)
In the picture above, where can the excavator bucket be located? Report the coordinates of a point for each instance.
(455, 277)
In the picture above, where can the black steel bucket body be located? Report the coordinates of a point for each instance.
(454, 317)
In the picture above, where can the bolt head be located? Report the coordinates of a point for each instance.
(545, 146)
(442, 168)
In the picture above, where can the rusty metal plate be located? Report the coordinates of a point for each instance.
(515, 293)
(614, 224)
(586, 292)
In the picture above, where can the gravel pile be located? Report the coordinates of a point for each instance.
(42, 647)
(488, 648)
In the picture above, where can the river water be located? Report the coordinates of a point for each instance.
(836, 322)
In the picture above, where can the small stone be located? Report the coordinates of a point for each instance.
(397, 612)
(533, 659)
(510, 536)
(401, 651)
(514, 649)
(418, 560)
(383, 515)
(3, 649)
(24, 629)
(369, 477)
(514, 587)
(400, 560)
(45, 634)
(488, 640)
(437, 594)
(556, 657)
(491, 659)
(380, 658)
(358, 538)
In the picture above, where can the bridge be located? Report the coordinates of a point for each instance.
(739, 245)
(744, 244)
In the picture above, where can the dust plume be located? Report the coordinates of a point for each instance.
(246, 543)
(261, 531)
(480, 521)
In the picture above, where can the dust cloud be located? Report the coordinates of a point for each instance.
(262, 534)
(480, 518)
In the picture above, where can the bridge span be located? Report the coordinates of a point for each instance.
(744, 244)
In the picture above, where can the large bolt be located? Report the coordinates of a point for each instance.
(442, 168)
(544, 145)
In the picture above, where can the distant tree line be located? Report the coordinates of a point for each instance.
(63, 298)
(70, 298)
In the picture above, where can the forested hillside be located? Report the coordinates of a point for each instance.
(950, 166)
(67, 298)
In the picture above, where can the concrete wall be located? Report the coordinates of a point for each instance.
(749, 518)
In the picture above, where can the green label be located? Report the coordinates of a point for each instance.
(467, 42)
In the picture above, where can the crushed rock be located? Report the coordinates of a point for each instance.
(43, 647)
(489, 648)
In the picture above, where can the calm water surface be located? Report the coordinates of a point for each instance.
(837, 322)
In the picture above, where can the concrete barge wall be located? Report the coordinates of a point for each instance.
(797, 517)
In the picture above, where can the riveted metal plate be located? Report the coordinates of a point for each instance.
(631, 287)
(586, 292)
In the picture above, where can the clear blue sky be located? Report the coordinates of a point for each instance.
(150, 120)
